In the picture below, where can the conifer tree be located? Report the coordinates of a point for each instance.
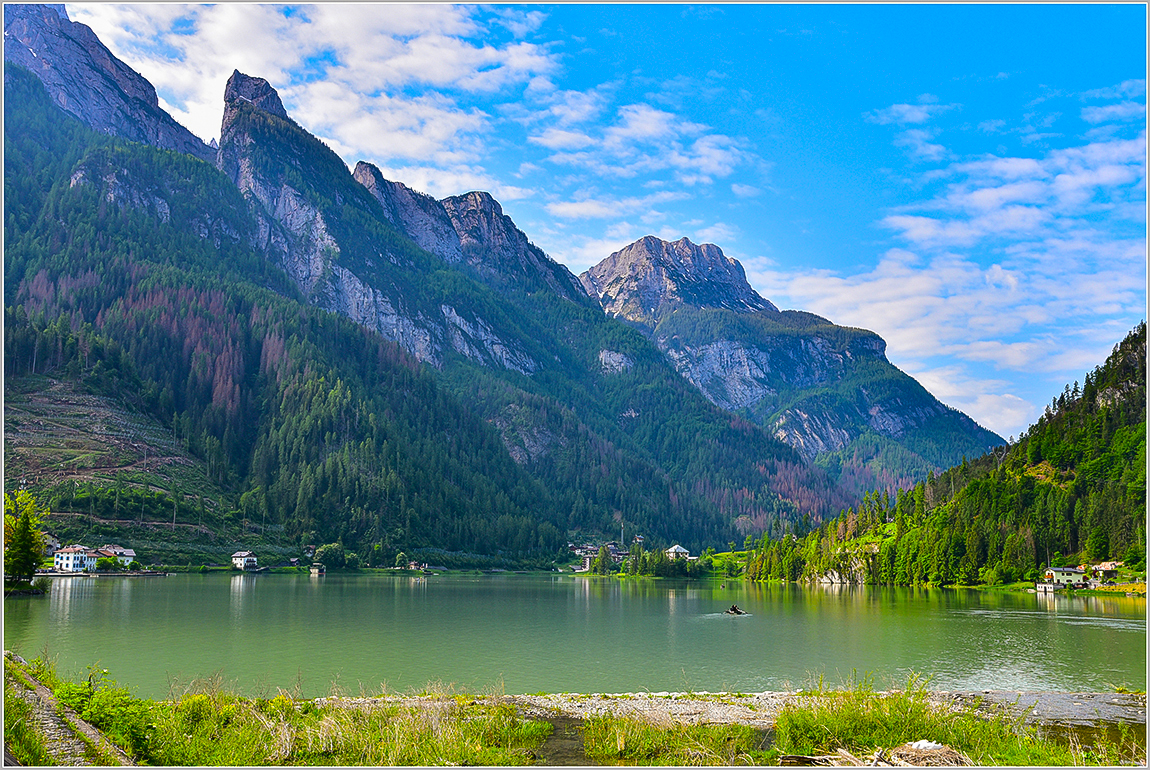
(23, 541)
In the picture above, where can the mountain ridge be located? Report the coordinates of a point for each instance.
(85, 79)
(596, 414)
(819, 387)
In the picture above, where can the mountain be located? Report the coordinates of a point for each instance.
(87, 81)
(826, 390)
(470, 229)
(336, 381)
(283, 413)
(350, 360)
(513, 335)
(651, 279)
(1072, 490)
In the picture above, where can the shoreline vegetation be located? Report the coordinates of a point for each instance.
(51, 718)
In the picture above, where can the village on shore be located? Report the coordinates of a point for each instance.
(79, 559)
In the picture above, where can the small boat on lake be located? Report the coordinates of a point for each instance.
(734, 610)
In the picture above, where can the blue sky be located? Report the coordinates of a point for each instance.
(966, 180)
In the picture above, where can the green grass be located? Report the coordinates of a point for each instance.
(208, 726)
(613, 739)
(860, 720)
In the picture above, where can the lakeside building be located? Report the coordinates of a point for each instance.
(74, 558)
(678, 552)
(244, 560)
(51, 545)
(1065, 576)
(123, 555)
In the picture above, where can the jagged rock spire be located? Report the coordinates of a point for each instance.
(257, 91)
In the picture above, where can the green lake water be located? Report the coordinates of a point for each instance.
(562, 633)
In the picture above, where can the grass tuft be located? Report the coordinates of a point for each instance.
(631, 740)
(860, 720)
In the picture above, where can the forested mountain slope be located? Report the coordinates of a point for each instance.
(137, 271)
(1071, 490)
(582, 401)
(337, 432)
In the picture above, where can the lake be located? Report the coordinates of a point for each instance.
(563, 633)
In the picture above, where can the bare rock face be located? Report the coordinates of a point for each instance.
(651, 278)
(256, 91)
(419, 216)
(86, 80)
(294, 234)
(614, 362)
(493, 245)
(751, 375)
(730, 375)
(345, 294)
(297, 235)
(476, 340)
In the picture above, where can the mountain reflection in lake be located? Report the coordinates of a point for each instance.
(529, 633)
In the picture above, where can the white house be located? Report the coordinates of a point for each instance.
(678, 552)
(1061, 576)
(124, 555)
(244, 560)
(74, 558)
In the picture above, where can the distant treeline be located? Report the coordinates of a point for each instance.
(1072, 485)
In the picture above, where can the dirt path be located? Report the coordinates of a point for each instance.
(61, 728)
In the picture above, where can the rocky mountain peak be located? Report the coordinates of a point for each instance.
(257, 91)
(419, 216)
(86, 80)
(652, 277)
(495, 246)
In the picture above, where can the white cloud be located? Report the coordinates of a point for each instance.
(916, 142)
(605, 208)
(902, 114)
(558, 139)
(719, 233)
(1127, 89)
(744, 190)
(1111, 112)
(993, 198)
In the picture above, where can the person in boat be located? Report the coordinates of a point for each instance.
(735, 610)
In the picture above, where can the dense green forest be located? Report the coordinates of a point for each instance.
(1071, 489)
(640, 448)
(131, 272)
(311, 421)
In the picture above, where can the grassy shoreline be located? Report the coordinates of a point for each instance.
(207, 725)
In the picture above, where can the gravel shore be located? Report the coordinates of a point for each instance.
(761, 709)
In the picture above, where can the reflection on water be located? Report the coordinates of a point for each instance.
(528, 633)
(69, 600)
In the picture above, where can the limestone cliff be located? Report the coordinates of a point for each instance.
(496, 249)
(343, 238)
(652, 278)
(818, 387)
(419, 216)
(85, 79)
